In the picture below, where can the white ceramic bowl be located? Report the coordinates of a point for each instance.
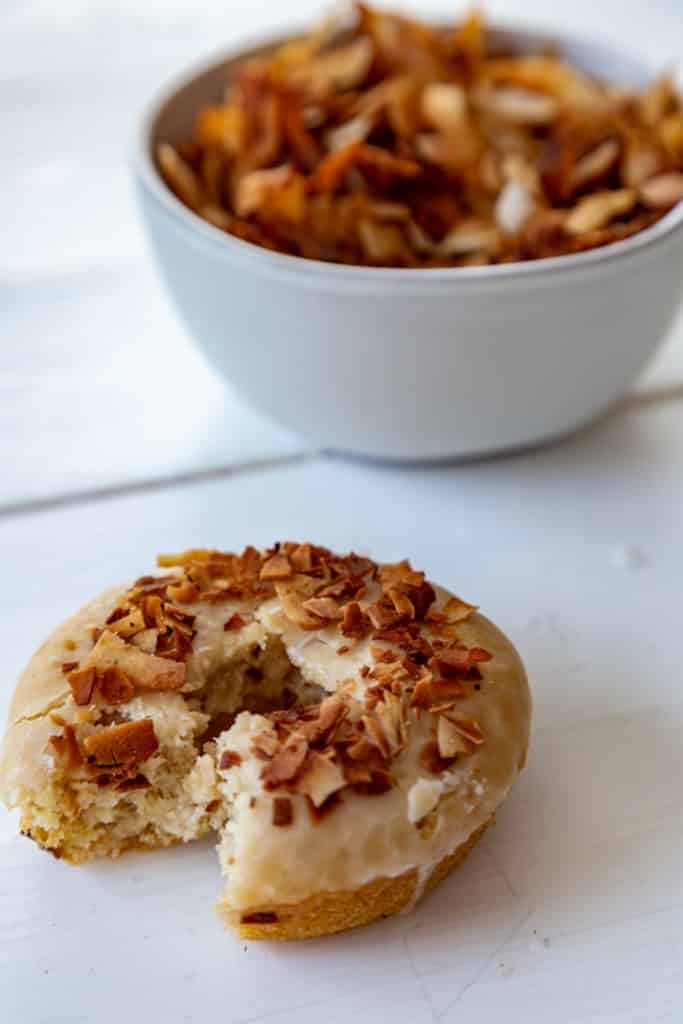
(413, 363)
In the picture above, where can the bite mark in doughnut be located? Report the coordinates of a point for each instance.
(347, 728)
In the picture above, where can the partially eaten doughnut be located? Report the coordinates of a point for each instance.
(347, 728)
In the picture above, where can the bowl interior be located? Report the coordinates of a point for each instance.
(173, 118)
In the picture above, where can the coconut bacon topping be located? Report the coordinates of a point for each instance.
(380, 140)
(417, 665)
(109, 756)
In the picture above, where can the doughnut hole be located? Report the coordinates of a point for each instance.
(259, 678)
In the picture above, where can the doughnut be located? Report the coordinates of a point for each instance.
(346, 728)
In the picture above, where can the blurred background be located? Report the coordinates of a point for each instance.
(99, 386)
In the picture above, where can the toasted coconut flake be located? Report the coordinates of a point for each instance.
(224, 126)
(548, 75)
(380, 782)
(597, 210)
(286, 764)
(469, 237)
(360, 769)
(283, 811)
(350, 132)
(130, 743)
(662, 191)
(423, 796)
(66, 747)
(236, 621)
(468, 40)
(343, 589)
(449, 739)
(188, 559)
(320, 778)
(293, 606)
(376, 735)
(670, 132)
(229, 759)
(385, 164)
(390, 211)
(146, 640)
(451, 662)
(362, 749)
(153, 608)
(431, 760)
(342, 68)
(401, 602)
(287, 204)
(518, 167)
(317, 814)
(145, 670)
(467, 727)
(301, 558)
(184, 591)
(594, 165)
(129, 624)
(457, 610)
(278, 567)
(390, 715)
(513, 207)
(444, 106)
(265, 744)
(176, 618)
(658, 99)
(452, 153)
(422, 694)
(253, 188)
(382, 654)
(330, 173)
(355, 623)
(447, 689)
(115, 687)
(332, 710)
(381, 243)
(517, 105)
(641, 160)
(325, 608)
(386, 674)
(218, 217)
(381, 615)
(180, 177)
(82, 683)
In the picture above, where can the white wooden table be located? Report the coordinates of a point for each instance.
(116, 441)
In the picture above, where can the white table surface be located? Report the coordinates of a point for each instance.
(116, 441)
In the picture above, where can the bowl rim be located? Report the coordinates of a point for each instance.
(148, 176)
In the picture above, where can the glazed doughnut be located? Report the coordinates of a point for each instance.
(347, 728)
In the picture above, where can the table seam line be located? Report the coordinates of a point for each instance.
(108, 492)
